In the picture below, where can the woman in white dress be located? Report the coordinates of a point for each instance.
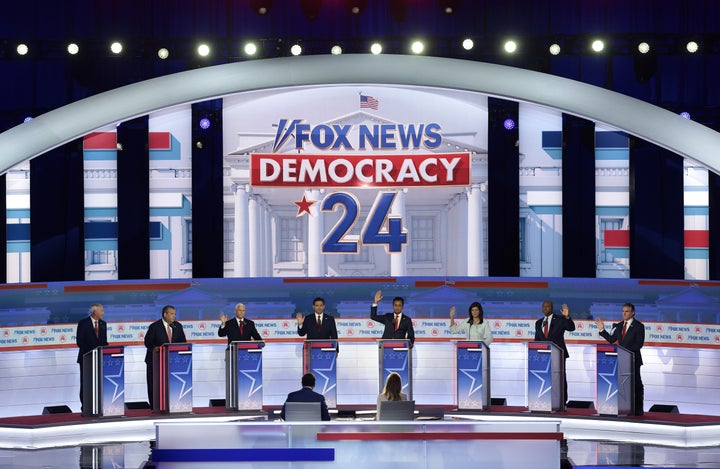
(475, 328)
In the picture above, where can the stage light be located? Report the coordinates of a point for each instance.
(449, 6)
(163, 53)
(116, 47)
(355, 6)
(468, 44)
(27, 119)
(73, 48)
(250, 48)
(510, 47)
(311, 9)
(336, 50)
(22, 49)
(686, 115)
(643, 47)
(204, 123)
(296, 49)
(203, 50)
(554, 49)
(509, 124)
(376, 48)
(692, 47)
(261, 7)
(417, 47)
(597, 45)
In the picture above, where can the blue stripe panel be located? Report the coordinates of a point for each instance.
(620, 253)
(100, 155)
(101, 230)
(172, 154)
(162, 243)
(617, 211)
(547, 209)
(613, 139)
(704, 211)
(622, 154)
(101, 212)
(18, 246)
(185, 210)
(551, 139)
(18, 232)
(697, 253)
(18, 213)
(249, 454)
(101, 245)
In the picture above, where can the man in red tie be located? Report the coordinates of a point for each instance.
(317, 325)
(163, 331)
(239, 328)
(91, 333)
(630, 334)
(397, 324)
(551, 328)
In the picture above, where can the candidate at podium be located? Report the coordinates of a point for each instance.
(475, 328)
(91, 333)
(397, 324)
(630, 334)
(306, 394)
(317, 325)
(551, 328)
(239, 328)
(165, 330)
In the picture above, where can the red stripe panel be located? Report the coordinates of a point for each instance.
(321, 344)
(468, 344)
(539, 345)
(480, 284)
(159, 140)
(100, 141)
(387, 344)
(372, 436)
(605, 348)
(108, 287)
(697, 239)
(340, 280)
(617, 239)
(22, 286)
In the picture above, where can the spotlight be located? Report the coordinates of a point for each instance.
(204, 123)
(468, 44)
(311, 9)
(692, 47)
(417, 47)
(376, 48)
(510, 47)
(509, 124)
(73, 48)
(597, 45)
(449, 6)
(261, 7)
(686, 115)
(250, 48)
(22, 49)
(163, 53)
(336, 50)
(643, 47)
(296, 49)
(554, 49)
(116, 47)
(203, 50)
(355, 7)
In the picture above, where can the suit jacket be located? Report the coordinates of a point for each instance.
(633, 340)
(85, 336)
(156, 336)
(556, 333)
(328, 330)
(232, 330)
(307, 395)
(405, 329)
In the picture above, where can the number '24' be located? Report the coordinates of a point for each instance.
(373, 232)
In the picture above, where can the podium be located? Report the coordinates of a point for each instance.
(243, 376)
(172, 378)
(395, 355)
(104, 382)
(473, 375)
(546, 374)
(615, 381)
(320, 359)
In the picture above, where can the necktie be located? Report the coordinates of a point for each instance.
(545, 327)
(169, 333)
(240, 323)
(318, 320)
(397, 321)
(95, 326)
(624, 330)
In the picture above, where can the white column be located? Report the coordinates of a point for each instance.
(474, 231)
(253, 222)
(316, 266)
(398, 260)
(240, 237)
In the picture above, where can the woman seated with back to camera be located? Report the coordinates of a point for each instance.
(391, 392)
(475, 328)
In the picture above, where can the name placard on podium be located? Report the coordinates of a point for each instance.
(243, 376)
(172, 378)
(615, 385)
(104, 382)
(320, 359)
(396, 356)
(473, 375)
(546, 372)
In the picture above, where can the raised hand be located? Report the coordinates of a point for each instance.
(452, 313)
(378, 296)
(300, 318)
(223, 318)
(600, 324)
(565, 311)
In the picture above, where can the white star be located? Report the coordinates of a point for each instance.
(537, 374)
(402, 370)
(330, 367)
(467, 372)
(613, 374)
(112, 378)
(177, 375)
(249, 374)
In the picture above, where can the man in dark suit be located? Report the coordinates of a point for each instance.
(397, 324)
(91, 333)
(306, 394)
(238, 329)
(317, 325)
(630, 334)
(163, 331)
(551, 328)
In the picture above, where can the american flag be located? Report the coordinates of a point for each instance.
(368, 102)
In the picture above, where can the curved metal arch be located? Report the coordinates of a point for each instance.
(635, 117)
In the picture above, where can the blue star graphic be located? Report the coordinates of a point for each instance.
(112, 379)
(177, 375)
(319, 371)
(604, 376)
(466, 372)
(250, 374)
(537, 374)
